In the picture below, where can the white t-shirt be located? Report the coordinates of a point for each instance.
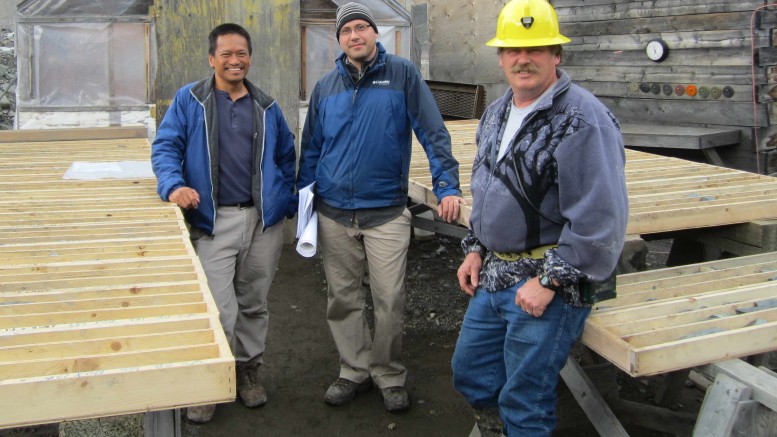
(514, 121)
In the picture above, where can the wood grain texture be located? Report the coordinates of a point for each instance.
(104, 307)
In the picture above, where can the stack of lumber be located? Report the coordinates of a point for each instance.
(104, 307)
(665, 194)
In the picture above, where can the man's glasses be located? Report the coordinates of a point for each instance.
(359, 28)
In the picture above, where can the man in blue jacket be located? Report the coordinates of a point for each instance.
(356, 148)
(225, 155)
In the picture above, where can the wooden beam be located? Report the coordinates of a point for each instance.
(720, 407)
(591, 401)
(763, 385)
(73, 134)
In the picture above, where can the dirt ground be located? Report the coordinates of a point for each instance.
(301, 361)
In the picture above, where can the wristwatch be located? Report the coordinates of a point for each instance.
(546, 282)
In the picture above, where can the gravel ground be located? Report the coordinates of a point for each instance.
(7, 79)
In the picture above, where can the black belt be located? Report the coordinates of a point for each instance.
(242, 205)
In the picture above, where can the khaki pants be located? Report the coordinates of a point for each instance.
(345, 250)
(240, 262)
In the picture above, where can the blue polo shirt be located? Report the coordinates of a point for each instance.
(235, 148)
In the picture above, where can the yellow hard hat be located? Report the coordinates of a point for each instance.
(527, 23)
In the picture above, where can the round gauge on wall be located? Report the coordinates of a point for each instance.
(657, 50)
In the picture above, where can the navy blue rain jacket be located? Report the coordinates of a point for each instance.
(185, 153)
(356, 142)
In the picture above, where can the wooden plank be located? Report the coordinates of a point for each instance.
(92, 393)
(590, 400)
(718, 411)
(754, 420)
(704, 349)
(763, 385)
(95, 331)
(677, 137)
(658, 8)
(77, 133)
(94, 347)
(707, 21)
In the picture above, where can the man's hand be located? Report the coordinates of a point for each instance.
(469, 273)
(448, 209)
(185, 197)
(533, 297)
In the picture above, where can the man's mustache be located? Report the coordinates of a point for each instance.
(525, 68)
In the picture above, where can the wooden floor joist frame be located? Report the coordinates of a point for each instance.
(104, 306)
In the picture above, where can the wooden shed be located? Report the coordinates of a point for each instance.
(712, 92)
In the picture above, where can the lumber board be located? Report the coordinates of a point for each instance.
(591, 401)
(763, 384)
(719, 410)
(644, 135)
(681, 317)
(665, 194)
(104, 306)
(84, 133)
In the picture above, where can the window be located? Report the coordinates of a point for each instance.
(103, 65)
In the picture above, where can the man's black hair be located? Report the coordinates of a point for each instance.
(227, 29)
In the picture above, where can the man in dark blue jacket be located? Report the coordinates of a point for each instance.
(225, 155)
(356, 148)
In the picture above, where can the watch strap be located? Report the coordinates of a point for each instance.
(547, 282)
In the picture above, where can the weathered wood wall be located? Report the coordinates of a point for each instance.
(182, 28)
(709, 43)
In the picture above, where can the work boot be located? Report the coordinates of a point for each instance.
(250, 390)
(343, 390)
(201, 413)
(489, 423)
(395, 398)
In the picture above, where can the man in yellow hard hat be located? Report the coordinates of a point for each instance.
(547, 227)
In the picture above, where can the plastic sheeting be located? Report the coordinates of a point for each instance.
(80, 54)
(82, 64)
(111, 8)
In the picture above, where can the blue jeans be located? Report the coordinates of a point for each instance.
(509, 359)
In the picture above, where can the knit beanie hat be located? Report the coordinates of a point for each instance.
(353, 11)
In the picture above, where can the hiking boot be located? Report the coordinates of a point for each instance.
(343, 390)
(488, 422)
(250, 390)
(201, 414)
(395, 398)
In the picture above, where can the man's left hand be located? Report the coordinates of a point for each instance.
(533, 297)
(448, 209)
